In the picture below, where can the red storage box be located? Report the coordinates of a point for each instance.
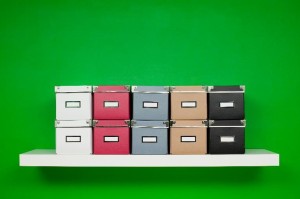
(111, 102)
(111, 137)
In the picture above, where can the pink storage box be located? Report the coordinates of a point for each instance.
(111, 102)
(111, 137)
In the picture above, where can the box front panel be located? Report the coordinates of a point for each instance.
(73, 140)
(226, 140)
(149, 141)
(150, 106)
(188, 106)
(188, 140)
(111, 140)
(227, 106)
(111, 106)
(73, 106)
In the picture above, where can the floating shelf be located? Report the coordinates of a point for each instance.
(48, 158)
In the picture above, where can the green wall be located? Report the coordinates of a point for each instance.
(48, 43)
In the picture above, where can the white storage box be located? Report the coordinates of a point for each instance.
(74, 137)
(73, 102)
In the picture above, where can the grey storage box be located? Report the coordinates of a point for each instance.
(150, 137)
(150, 102)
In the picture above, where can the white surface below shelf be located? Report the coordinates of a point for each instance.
(48, 158)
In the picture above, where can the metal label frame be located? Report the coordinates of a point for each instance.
(182, 102)
(188, 136)
(66, 104)
(73, 137)
(233, 105)
(227, 136)
(111, 106)
(149, 137)
(150, 102)
(111, 137)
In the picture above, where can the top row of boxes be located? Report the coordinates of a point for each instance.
(150, 102)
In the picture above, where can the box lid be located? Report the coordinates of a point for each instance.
(73, 89)
(111, 123)
(188, 89)
(188, 123)
(73, 123)
(226, 89)
(111, 89)
(150, 89)
(149, 124)
(227, 123)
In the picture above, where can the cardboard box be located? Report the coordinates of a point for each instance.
(150, 102)
(111, 102)
(226, 102)
(188, 137)
(73, 102)
(74, 137)
(111, 137)
(150, 137)
(226, 136)
(188, 102)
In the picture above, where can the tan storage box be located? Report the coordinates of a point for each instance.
(188, 103)
(188, 137)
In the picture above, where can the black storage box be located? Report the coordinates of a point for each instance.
(226, 102)
(226, 137)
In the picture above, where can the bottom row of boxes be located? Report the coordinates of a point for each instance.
(150, 137)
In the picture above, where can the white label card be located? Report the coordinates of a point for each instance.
(73, 138)
(188, 138)
(227, 138)
(72, 104)
(111, 139)
(150, 104)
(226, 104)
(189, 104)
(148, 139)
(110, 104)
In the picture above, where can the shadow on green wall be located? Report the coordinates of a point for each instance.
(230, 175)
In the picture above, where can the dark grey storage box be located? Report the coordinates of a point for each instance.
(226, 102)
(149, 137)
(226, 136)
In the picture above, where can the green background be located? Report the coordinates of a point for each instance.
(48, 43)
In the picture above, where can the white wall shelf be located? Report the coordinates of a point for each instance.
(48, 158)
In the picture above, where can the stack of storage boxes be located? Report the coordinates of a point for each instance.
(73, 119)
(188, 130)
(226, 120)
(150, 120)
(111, 120)
(97, 120)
